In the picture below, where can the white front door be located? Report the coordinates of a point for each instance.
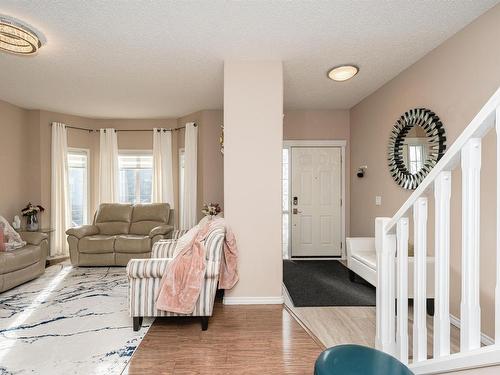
(316, 206)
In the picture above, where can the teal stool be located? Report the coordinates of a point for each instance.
(358, 360)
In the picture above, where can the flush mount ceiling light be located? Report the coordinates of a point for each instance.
(343, 72)
(17, 38)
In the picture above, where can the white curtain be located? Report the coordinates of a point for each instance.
(189, 203)
(108, 166)
(163, 186)
(59, 194)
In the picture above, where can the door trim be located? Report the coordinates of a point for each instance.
(320, 143)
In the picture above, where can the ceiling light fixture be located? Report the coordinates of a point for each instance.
(17, 38)
(343, 72)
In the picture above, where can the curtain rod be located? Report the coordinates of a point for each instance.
(126, 130)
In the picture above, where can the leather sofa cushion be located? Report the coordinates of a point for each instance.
(148, 216)
(151, 212)
(86, 259)
(98, 244)
(368, 258)
(143, 228)
(114, 218)
(14, 260)
(132, 244)
(114, 227)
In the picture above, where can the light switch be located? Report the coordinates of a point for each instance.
(378, 200)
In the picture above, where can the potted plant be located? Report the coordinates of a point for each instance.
(211, 209)
(31, 212)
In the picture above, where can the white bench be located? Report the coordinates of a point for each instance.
(362, 261)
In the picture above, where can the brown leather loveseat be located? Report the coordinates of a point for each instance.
(120, 232)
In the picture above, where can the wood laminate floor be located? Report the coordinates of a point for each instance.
(355, 325)
(253, 339)
(337, 325)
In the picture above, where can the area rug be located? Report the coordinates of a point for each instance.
(68, 321)
(324, 283)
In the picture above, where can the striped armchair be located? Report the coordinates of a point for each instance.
(145, 276)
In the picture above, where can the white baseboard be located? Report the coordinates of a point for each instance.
(278, 300)
(485, 339)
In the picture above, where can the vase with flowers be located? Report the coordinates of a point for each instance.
(211, 209)
(31, 213)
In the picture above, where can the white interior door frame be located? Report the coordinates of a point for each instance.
(289, 144)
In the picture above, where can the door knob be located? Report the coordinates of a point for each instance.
(295, 211)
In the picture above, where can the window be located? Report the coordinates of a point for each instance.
(78, 180)
(136, 176)
(415, 158)
(286, 202)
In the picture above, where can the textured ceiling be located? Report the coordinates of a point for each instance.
(146, 59)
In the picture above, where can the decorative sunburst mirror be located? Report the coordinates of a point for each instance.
(417, 143)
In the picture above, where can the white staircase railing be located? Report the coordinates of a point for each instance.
(391, 241)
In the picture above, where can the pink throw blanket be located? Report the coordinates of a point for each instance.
(181, 284)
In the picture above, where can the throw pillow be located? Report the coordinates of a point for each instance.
(185, 240)
(12, 239)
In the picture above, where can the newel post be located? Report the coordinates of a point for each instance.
(385, 246)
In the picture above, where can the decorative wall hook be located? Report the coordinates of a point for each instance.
(361, 171)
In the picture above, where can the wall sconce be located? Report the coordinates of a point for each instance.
(361, 171)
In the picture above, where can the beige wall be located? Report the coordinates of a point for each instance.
(253, 136)
(212, 160)
(454, 80)
(322, 125)
(14, 149)
(316, 124)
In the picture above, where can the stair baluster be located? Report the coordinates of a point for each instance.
(420, 281)
(470, 311)
(402, 286)
(385, 246)
(442, 194)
